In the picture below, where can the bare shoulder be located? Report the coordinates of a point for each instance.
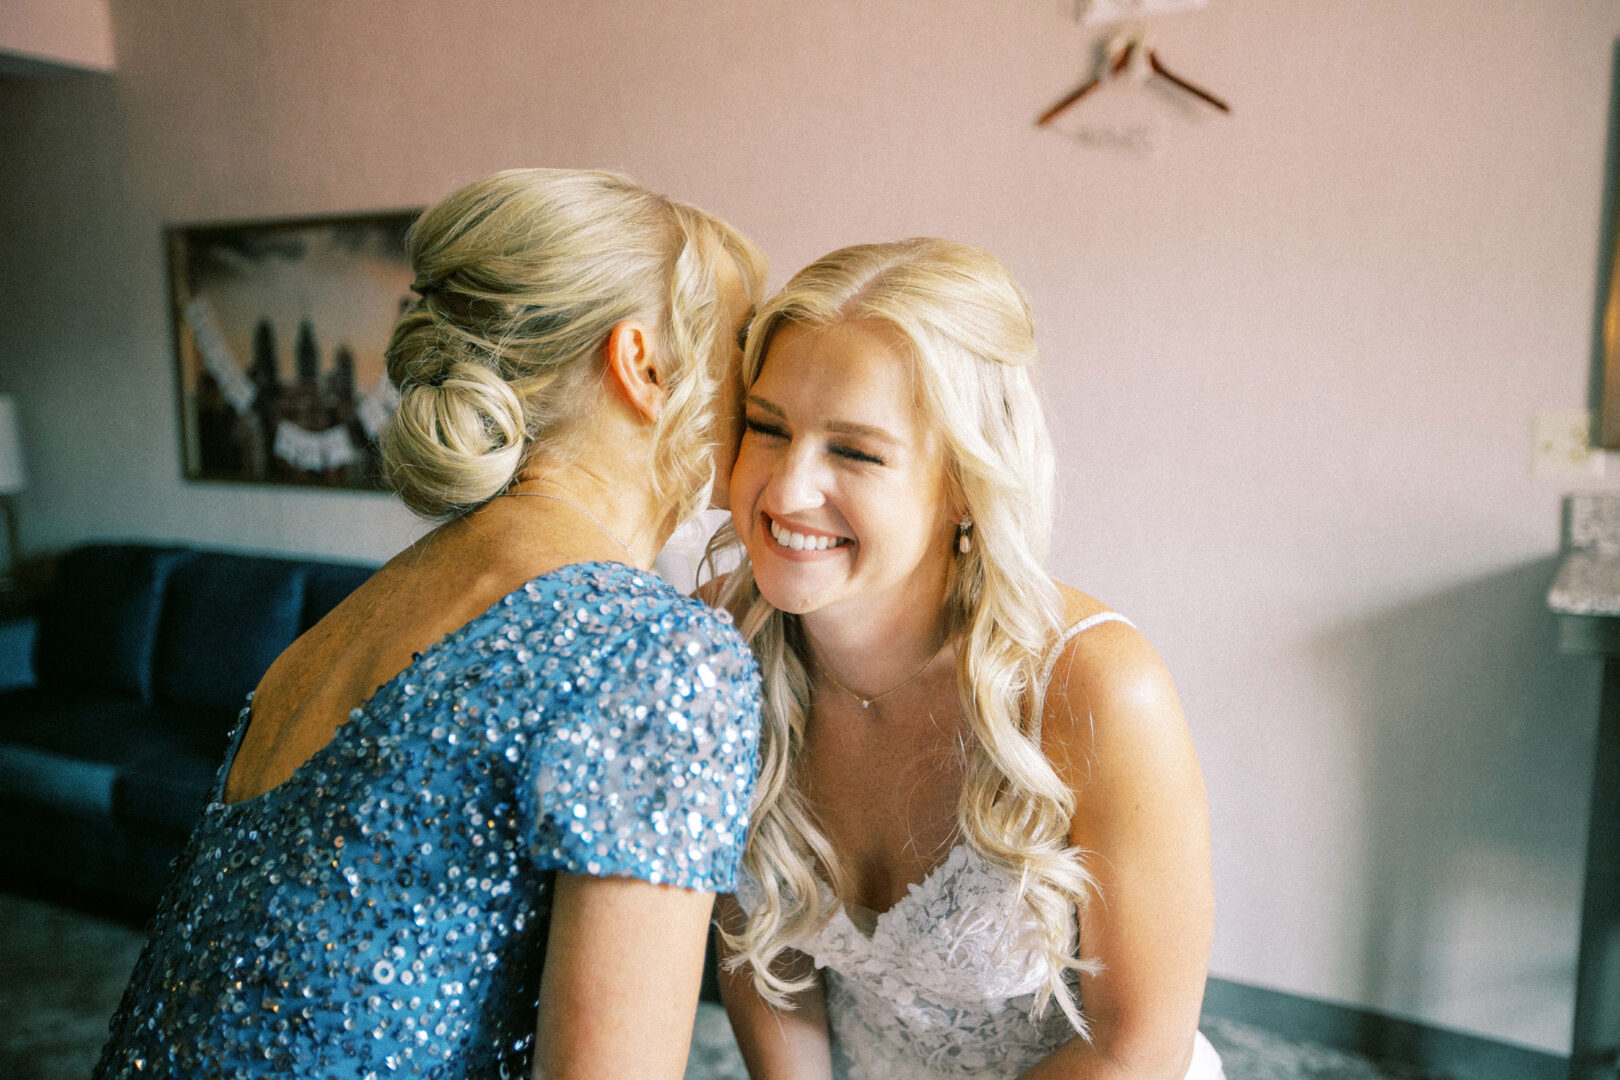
(1110, 696)
(1107, 664)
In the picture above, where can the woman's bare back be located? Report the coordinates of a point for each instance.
(426, 591)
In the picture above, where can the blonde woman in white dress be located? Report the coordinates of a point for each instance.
(981, 843)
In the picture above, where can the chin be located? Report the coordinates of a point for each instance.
(791, 605)
(782, 594)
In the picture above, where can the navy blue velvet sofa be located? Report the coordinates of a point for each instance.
(142, 657)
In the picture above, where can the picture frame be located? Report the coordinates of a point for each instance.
(279, 332)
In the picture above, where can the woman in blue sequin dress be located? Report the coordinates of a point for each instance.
(443, 841)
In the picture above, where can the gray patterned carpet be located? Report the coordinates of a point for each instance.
(61, 973)
(1247, 1053)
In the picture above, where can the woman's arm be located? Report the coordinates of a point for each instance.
(624, 962)
(775, 1045)
(1114, 729)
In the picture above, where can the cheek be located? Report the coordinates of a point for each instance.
(744, 486)
(905, 529)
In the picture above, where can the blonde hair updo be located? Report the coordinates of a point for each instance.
(967, 330)
(522, 275)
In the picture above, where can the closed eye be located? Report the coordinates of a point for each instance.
(853, 454)
(766, 429)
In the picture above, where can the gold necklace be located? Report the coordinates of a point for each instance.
(592, 517)
(866, 702)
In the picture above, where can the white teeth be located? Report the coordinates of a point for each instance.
(802, 542)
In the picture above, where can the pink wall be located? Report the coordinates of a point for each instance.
(1292, 362)
(76, 33)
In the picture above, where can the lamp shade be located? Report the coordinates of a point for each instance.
(13, 478)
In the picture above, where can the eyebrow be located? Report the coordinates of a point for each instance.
(841, 427)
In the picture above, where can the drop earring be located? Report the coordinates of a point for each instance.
(964, 534)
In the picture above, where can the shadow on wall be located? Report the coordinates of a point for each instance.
(1476, 740)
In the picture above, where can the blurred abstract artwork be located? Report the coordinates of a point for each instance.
(280, 329)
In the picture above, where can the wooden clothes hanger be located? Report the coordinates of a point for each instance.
(1118, 57)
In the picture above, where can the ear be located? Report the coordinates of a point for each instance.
(632, 366)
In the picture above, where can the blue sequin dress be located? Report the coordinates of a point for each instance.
(383, 913)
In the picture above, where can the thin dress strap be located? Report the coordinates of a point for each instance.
(1078, 628)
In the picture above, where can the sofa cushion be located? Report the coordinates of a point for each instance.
(164, 792)
(80, 724)
(86, 754)
(186, 730)
(326, 585)
(17, 637)
(98, 627)
(225, 618)
(87, 857)
(68, 784)
(65, 749)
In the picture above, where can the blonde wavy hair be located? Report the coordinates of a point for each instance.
(522, 275)
(967, 327)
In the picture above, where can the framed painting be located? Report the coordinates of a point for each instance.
(279, 331)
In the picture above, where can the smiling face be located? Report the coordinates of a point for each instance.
(839, 491)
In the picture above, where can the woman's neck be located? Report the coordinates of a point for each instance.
(623, 511)
(869, 648)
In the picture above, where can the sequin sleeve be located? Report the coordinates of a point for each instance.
(650, 769)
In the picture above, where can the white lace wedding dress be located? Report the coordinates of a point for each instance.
(940, 986)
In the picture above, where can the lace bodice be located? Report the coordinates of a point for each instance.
(941, 985)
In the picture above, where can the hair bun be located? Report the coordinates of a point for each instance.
(522, 277)
(456, 440)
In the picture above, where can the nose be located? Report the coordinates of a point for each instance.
(797, 482)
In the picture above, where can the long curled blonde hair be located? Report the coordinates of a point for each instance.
(522, 276)
(966, 325)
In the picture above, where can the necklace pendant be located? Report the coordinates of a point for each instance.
(865, 704)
